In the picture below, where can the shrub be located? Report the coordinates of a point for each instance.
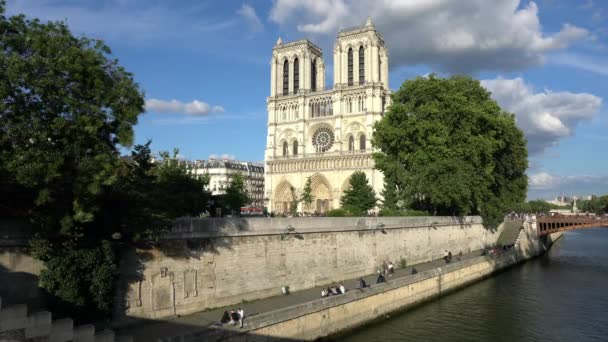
(340, 212)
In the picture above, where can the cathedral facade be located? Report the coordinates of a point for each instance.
(323, 133)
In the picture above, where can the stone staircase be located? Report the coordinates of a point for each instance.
(510, 232)
(17, 325)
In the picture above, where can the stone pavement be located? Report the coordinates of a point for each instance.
(151, 330)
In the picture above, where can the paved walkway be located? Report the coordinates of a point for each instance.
(182, 324)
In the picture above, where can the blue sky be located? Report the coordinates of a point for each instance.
(204, 67)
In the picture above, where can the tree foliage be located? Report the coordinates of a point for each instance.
(66, 108)
(236, 193)
(451, 149)
(307, 197)
(597, 205)
(360, 197)
(537, 207)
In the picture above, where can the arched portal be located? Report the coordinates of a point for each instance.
(321, 192)
(283, 197)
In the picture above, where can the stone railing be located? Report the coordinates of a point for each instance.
(322, 154)
(16, 324)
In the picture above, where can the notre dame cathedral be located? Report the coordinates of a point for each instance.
(319, 133)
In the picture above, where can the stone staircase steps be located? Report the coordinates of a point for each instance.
(17, 325)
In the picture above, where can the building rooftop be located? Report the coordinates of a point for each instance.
(229, 164)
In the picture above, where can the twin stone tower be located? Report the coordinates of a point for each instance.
(324, 134)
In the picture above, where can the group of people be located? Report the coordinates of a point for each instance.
(447, 256)
(233, 317)
(333, 291)
(387, 268)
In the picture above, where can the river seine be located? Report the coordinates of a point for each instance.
(561, 296)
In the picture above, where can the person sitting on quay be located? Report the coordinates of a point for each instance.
(225, 318)
(384, 267)
(414, 271)
(391, 268)
(449, 256)
(234, 317)
(342, 289)
(380, 279)
(361, 284)
(334, 291)
(324, 293)
(445, 256)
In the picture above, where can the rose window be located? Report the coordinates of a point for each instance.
(323, 139)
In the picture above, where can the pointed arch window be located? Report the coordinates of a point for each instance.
(295, 148)
(362, 142)
(285, 77)
(351, 143)
(285, 149)
(313, 75)
(350, 66)
(361, 65)
(296, 75)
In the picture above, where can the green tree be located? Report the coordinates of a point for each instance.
(390, 195)
(307, 196)
(451, 149)
(236, 193)
(65, 108)
(360, 197)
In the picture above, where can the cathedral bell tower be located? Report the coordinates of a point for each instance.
(323, 135)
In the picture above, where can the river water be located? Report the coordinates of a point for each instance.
(561, 296)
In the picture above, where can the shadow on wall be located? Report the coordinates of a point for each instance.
(157, 331)
(21, 288)
(134, 258)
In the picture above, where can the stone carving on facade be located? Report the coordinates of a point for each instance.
(162, 291)
(190, 283)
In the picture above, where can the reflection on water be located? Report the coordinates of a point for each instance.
(561, 296)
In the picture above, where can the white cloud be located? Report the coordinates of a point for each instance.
(454, 36)
(581, 62)
(543, 180)
(545, 117)
(248, 13)
(547, 185)
(195, 107)
(223, 156)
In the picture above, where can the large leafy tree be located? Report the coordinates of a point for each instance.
(451, 149)
(236, 193)
(66, 106)
(360, 197)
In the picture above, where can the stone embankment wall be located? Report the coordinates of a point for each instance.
(332, 315)
(16, 324)
(207, 263)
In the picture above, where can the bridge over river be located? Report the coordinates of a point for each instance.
(560, 223)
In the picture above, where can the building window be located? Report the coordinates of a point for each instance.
(350, 67)
(295, 147)
(313, 75)
(296, 75)
(285, 149)
(285, 77)
(361, 65)
(351, 143)
(362, 142)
